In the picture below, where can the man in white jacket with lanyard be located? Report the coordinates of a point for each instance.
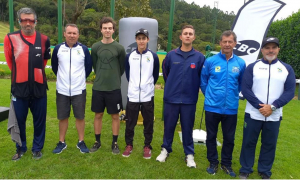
(268, 84)
(71, 63)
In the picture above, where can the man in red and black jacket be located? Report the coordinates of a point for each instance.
(26, 52)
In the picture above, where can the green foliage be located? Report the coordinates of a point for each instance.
(87, 13)
(288, 33)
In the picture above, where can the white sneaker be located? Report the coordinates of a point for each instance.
(190, 161)
(163, 155)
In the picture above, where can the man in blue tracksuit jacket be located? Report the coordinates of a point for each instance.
(268, 85)
(221, 80)
(181, 70)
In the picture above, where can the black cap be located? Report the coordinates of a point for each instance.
(142, 31)
(270, 40)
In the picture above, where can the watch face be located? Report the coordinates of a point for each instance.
(273, 108)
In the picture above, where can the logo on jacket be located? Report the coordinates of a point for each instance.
(148, 59)
(193, 65)
(39, 55)
(279, 70)
(78, 52)
(235, 69)
(246, 47)
(38, 48)
(218, 69)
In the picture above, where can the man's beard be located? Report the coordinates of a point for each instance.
(270, 57)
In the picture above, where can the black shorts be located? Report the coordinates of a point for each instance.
(112, 100)
(63, 104)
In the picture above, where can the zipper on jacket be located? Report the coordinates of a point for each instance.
(226, 88)
(70, 71)
(268, 87)
(182, 76)
(140, 78)
(30, 71)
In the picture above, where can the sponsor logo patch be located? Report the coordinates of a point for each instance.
(218, 69)
(279, 70)
(235, 69)
(193, 65)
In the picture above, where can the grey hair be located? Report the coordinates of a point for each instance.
(26, 10)
(227, 34)
(72, 25)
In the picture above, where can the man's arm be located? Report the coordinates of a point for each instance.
(47, 54)
(127, 67)
(166, 67)
(94, 58)
(8, 52)
(247, 83)
(242, 70)
(155, 68)
(122, 60)
(289, 89)
(87, 61)
(204, 76)
(54, 60)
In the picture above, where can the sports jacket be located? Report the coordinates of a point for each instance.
(221, 83)
(71, 66)
(265, 83)
(142, 73)
(27, 63)
(182, 76)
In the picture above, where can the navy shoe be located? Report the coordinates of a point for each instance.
(264, 176)
(83, 149)
(212, 169)
(37, 155)
(60, 146)
(244, 175)
(228, 170)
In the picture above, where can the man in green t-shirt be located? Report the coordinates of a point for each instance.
(108, 63)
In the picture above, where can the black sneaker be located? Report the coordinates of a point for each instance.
(212, 169)
(96, 146)
(244, 175)
(59, 147)
(115, 148)
(18, 155)
(37, 155)
(264, 176)
(82, 147)
(228, 170)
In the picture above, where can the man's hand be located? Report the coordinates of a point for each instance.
(265, 110)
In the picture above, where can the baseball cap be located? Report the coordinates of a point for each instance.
(142, 31)
(270, 40)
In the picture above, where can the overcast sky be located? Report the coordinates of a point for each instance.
(291, 6)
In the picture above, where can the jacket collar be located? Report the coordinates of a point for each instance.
(76, 44)
(267, 62)
(144, 52)
(179, 51)
(224, 56)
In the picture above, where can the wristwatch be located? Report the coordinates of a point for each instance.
(273, 107)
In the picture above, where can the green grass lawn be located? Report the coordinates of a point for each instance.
(71, 164)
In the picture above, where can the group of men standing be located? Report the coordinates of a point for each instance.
(267, 84)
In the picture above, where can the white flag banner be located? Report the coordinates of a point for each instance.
(251, 26)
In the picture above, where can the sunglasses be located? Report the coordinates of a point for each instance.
(27, 21)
